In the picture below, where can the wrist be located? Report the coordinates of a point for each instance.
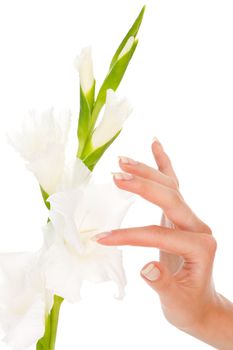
(215, 326)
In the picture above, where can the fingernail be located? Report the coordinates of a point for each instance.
(126, 160)
(122, 176)
(155, 140)
(151, 272)
(100, 235)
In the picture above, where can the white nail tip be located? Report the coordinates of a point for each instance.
(151, 272)
(155, 139)
(122, 176)
(126, 160)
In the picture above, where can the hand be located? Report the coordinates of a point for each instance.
(183, 277)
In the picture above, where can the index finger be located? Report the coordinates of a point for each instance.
(183, 243)
(163, 161)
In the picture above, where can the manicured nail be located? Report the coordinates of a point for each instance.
(122, 176)
(100, 235)
(155, 140)
(151, 272)
(126, 160)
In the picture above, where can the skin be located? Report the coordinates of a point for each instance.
(183, 276)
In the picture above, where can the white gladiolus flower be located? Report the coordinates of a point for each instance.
(24, 301)
(76, 215)
(127, 46)
(84, 65)
(42, 142)
(116, 112)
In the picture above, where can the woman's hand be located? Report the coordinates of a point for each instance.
(183, 277)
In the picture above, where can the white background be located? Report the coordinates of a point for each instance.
(180, 83)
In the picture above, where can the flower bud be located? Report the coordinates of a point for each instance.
(83, 64)
(127, 47)
(116, 112)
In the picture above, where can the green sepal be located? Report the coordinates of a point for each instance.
(132, 32)
(112, 81)
(45, 196)
(86, 104)
(47, 342)
(90, 96)
(92, 158)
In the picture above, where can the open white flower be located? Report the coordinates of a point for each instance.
(24, 301)
(116, 112)
(42, 142)
(77, 215)
(83, 63)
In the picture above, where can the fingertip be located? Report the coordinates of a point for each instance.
(122, 176)
(150, 272)
(155, 139)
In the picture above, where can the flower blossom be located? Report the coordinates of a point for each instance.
(42, 142)
(76, 215)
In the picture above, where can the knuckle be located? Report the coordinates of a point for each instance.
(139, 186)
(207, 229)
(173, 183)
(175, 197)
(208, 244)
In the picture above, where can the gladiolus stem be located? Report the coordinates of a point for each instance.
(54, 316)
(49, 339)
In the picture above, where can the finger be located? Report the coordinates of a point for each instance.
(134, 167)
(170, 200)
(158, 277)
(183, 243)
(163, 161)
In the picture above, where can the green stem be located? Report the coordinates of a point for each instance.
(49, 339)
(47, 342)
(54, 316)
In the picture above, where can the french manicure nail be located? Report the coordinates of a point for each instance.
(155, 140)
(122, 176)
(126, 160)
(100, 235)
(151, 272)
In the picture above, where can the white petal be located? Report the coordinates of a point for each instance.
(24, 302)
(64, 206)
(63, 273)
(106, 206)
(66, 270)
(42, 142)
(48, 167)
(12, 274)
(105, 264)
(25, 330)
(75, 174)
(84, 65)
(116, 112)
(83, 212)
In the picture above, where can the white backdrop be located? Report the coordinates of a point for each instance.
(180, 83)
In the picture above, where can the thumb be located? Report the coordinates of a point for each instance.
(157, 276)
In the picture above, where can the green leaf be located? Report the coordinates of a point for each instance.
(86, 104)
(112, 81)
(94, 156)
(132, 32)
(45, 196)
